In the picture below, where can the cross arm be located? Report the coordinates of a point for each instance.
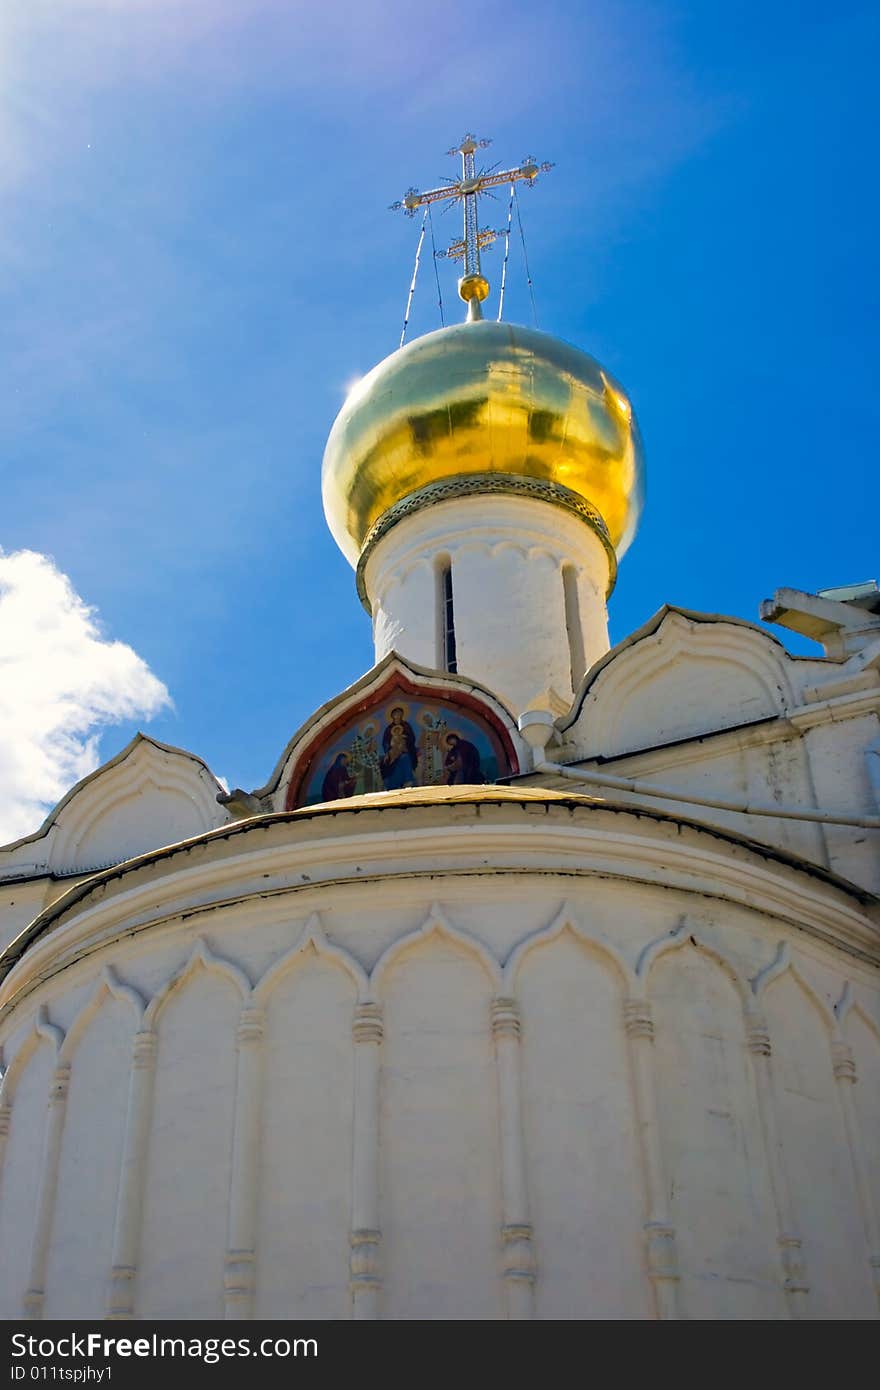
(528, 170)
(414, 199)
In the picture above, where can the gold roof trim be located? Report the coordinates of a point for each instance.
(443, 796)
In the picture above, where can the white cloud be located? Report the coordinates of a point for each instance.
(61, 679)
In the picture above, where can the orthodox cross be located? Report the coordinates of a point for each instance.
(468, 189)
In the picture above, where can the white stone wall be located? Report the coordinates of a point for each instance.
(718, 709)
(507, 556)
(838, 751)
(19, 904)
(543, 1095)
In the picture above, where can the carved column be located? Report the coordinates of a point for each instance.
(659, 1233)
(846, 1076)
(240, 1268)
(789, 1242)
(516, 1231)
(129, 1203)
(36, 1291)
(366, 1281)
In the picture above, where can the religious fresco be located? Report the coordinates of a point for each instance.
(405, 741)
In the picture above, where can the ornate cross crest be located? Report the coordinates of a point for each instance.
(468, 189)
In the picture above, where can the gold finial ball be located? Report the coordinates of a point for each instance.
(473, 287)
(475, 399)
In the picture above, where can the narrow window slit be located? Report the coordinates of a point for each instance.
(448, 659)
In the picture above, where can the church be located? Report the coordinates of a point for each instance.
(540, 978)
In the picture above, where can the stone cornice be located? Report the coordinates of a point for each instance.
(552, 838)
(850, 706)
(694, 748)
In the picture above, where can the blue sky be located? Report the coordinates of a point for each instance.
(197, 257)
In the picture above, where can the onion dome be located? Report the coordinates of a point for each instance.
(483, 407)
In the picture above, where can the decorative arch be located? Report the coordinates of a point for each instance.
(783, 963)
(660, 946)
(514, 547)
(166, 776)
(565, 921)
(682, 935)
(282, 791)
(62, 843)
(351, 741)
(849, 1003)
(536, 552)
(106, 987)
(41, 1031)
(312, 943)
(672, 637)
(201, 958)
(396, 578)
(435, 924)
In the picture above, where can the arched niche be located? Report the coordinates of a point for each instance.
(814, 1143)
(439, 1164)
(98, 1047)
(189, 1155)
(306, 1136)
(720, 1198)
(582, 1153)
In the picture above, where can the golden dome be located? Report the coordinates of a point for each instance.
(480, 399)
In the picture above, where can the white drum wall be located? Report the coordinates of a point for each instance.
(536, 1096)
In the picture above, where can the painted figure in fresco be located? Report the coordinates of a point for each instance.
(400, 755)
(432, 749)
(338, 782)
(364, 760)
(462, 761)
